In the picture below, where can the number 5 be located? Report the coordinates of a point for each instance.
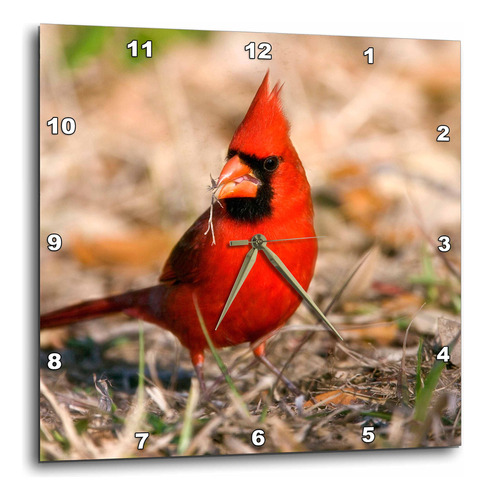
(368, 435)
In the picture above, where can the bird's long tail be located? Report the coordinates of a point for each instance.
(128, 303)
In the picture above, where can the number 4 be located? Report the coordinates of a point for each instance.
(444, 354)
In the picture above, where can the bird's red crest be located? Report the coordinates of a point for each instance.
(265, 129)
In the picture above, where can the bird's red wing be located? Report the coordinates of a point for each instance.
(184, 261)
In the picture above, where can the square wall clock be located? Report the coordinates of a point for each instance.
(249, 243)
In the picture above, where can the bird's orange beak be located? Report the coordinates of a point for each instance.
(237, 180)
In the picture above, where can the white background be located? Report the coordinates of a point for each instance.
(393, 474)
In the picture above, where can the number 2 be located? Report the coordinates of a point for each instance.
(444, 130)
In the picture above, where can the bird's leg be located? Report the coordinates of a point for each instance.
(198, 362)
(259, 353)
(200, 376)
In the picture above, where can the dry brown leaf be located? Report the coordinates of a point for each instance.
(346, 171)
(405, 303)
(380, 334)
(54, 338)
(448, 330)
(140, 249)
(339, 397)
(396, 236)
(364, 206)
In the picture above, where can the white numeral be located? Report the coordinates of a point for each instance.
(54, 361)
(444, 130)
(446, 243)
(368, 435)
(444, 354)
(258, 437)
(68, 125)
(143, 437)
(133, 46)
(370, 52)
(54, 242)
(265, 48)
(147, 46)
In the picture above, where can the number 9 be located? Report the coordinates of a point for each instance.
(54, 242)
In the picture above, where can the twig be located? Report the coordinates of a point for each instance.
(213, 187)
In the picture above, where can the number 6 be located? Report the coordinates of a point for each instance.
(258, 437)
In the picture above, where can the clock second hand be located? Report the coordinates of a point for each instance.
(240, 243)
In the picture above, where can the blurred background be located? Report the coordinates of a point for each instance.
(149, 133)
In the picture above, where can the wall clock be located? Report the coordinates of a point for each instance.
(250, 243)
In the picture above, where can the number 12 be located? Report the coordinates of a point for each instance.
(265, 50)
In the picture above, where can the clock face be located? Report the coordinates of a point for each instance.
(138, 141)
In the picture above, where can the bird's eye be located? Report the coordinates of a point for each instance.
(270, 163)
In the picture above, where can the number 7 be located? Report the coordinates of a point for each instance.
(143, 436)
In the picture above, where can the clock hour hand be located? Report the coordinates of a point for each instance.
(244, 270)
(282, 268)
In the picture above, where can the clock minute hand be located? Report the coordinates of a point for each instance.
(243, 273)
(282, 268)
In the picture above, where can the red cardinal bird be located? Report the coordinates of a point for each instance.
(261, 189)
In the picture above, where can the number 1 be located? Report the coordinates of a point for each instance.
(370, 52)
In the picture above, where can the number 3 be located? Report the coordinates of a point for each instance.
(446, 243)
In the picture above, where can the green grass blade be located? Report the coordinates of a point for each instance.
(418, 374)
(141, 363)
(425, 395)
(186, 432)
(219, 361)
